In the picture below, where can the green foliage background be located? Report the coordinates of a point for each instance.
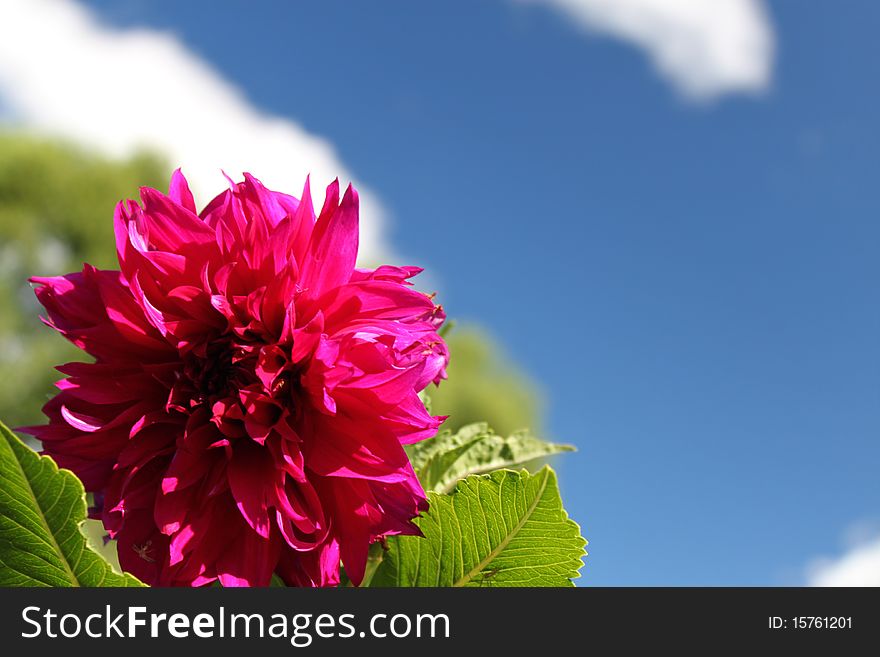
(485, 385)
(56, 211)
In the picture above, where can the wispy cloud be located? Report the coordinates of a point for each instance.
(63, 72)
(705, 48)
(859, 565)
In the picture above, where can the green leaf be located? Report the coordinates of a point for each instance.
(442, 461)
(41, 510)
(503, 529)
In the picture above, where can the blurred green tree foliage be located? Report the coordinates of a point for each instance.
(484, 385)
(56, 210)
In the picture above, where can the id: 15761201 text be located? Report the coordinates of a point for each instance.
(810, 623)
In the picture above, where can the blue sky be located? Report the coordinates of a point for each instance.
(694, 284)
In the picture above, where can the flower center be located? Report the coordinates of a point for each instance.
(211, 375)
(220, 373)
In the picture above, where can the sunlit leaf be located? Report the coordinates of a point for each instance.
(503, 529)
(442, 461)
(41, 510)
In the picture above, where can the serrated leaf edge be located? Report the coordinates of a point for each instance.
(13, 441)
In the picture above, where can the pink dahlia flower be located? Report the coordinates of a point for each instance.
(251, 390)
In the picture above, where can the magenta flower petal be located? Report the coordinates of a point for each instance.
(333, 247)
(180, 193)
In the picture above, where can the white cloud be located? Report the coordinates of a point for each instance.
(858, 566)
(705, 47)
(64, 73)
